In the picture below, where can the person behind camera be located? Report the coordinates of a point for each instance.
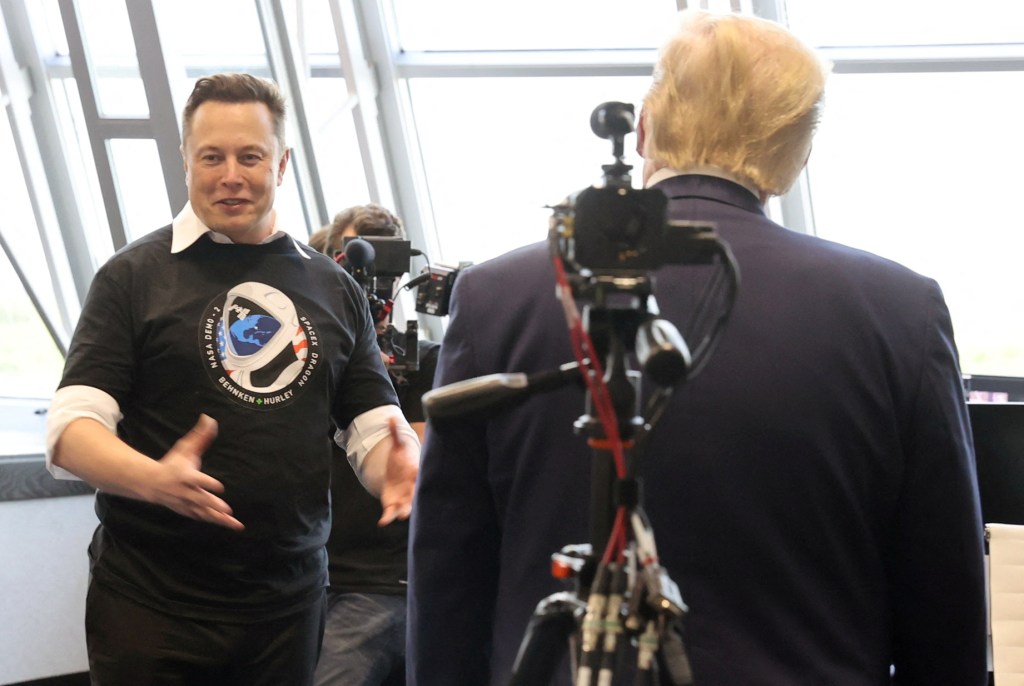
(364, 641)
(209, 362)
(812, 490)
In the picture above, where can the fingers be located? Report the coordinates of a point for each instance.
(198, 439)
(224, 519)
(186, 489)
(395, 511)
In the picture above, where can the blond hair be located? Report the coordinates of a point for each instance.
(738, 93)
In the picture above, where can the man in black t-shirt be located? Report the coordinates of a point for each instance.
(364, 641)
(208, 564)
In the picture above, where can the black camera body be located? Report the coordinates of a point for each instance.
(433, 296)
(619, 231)
(614, 230)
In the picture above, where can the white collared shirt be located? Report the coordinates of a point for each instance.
(187, 227)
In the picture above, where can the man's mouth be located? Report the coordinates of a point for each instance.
(231, 202)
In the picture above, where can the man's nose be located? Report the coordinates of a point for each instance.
(232, 172)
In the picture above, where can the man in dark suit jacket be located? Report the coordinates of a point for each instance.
(812, 490)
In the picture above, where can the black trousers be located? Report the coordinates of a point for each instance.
(131, 645)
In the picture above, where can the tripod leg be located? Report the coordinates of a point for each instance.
(547, 639)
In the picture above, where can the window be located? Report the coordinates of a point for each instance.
(916, 160)
(30, 362)
(496, 160)
(923, 179)
(532, 24)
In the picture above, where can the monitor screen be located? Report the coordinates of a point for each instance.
(999, 449)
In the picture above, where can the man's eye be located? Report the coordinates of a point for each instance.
(251, 158)
(210, 158)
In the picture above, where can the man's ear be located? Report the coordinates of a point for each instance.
(184, 160)
(282, 165)
(641, 133)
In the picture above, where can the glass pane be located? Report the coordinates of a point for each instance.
(332, 129)
(513, 148)
(68, 106)
(140, 186)
(18, 223)
(533, 24)
(312, 26)
(227, 38)
(48, 27)
(329, 111)
(907, 22)
(30, 363)
(931, 180)
(110, 47)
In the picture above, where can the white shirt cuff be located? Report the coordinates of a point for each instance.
(369, 429)
(71, 403)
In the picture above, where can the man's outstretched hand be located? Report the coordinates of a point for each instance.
(182, 486)
(399, 483)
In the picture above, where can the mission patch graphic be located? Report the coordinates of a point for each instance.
(257, 346)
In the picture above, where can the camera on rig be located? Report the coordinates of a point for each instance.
(376, 263)
(434, 295)
(613, 230)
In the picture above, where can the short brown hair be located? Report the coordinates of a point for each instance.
(367, 220)
(233, 87)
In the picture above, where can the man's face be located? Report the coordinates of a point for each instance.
(233, 165)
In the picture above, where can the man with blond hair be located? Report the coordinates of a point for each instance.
(812, 490)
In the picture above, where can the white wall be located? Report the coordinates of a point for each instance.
(44, 571)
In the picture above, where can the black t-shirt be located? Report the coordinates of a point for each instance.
(364, 557)
(273, 344)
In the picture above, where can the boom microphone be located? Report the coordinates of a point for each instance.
(487, 393)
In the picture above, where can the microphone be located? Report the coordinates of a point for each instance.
(492, 391)
(359, 253)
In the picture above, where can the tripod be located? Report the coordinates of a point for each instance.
(624, 595)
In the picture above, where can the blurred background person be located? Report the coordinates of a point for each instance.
(364, 640)
(812, 491)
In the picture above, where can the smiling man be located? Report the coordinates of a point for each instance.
(209, 361)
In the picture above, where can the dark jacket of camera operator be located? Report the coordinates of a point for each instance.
(812, 491)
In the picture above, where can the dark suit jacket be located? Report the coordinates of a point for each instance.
(812, 491)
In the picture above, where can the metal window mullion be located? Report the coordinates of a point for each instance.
(284, 68)
(163, 120)
(81, 67)
(396, 122)
(16, 85)
(363, 91)
(59, 337)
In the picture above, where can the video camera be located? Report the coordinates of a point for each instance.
(376, 263)
(613, 230)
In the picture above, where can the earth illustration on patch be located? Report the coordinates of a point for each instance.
(252, 333)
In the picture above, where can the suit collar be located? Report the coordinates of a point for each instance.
(700, 186)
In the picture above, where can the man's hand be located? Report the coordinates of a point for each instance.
(399, 483)
(182, 487)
